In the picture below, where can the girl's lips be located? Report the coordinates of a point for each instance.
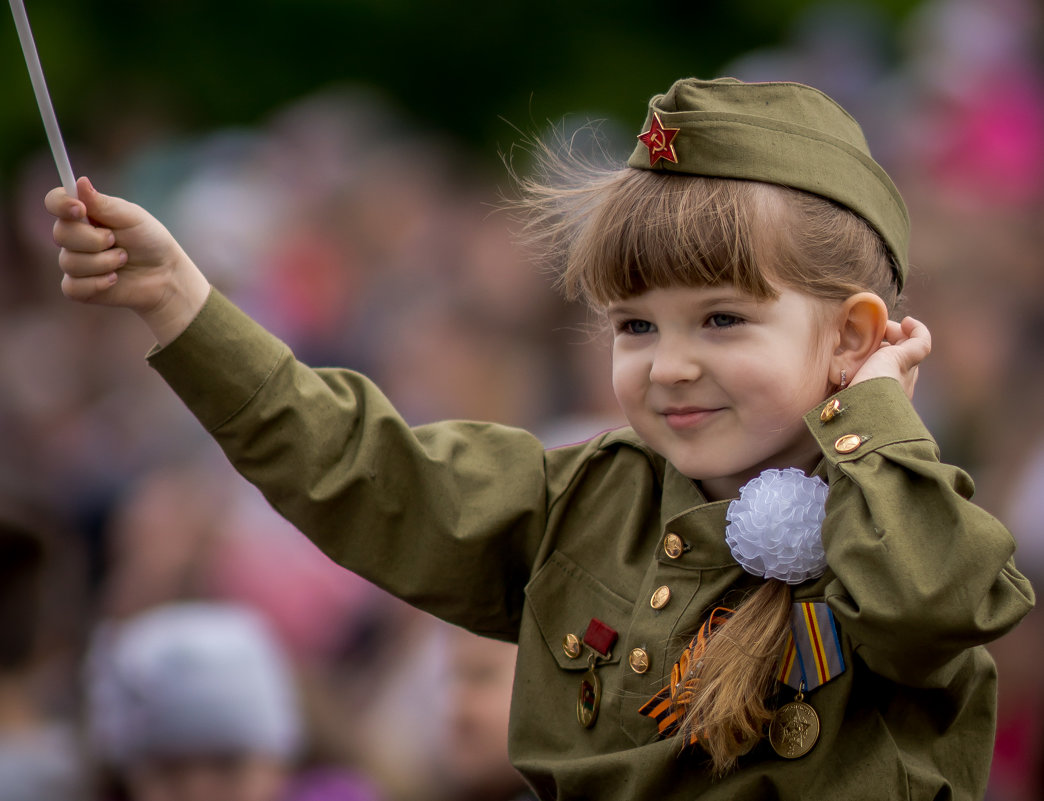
(687, 418)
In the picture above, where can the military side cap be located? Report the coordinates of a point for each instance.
(781, 133)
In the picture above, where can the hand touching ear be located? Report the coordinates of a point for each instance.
(904, 347)
(869, 345)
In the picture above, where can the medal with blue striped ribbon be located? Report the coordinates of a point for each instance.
(811, 658)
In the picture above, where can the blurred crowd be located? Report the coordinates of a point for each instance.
(365, 241)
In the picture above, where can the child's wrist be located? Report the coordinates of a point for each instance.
(182, 302)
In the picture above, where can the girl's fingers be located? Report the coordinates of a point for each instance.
(92, 205)
(58, 203)
(107, 210)
(918, 335)
(87, 289)
(82, 236)
(86, 265)
(909, 329)
(915, 329)
(893, 333)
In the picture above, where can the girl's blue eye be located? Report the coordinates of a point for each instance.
(723, 320)
(636, 327)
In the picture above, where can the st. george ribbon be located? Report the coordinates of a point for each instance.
(43, 98)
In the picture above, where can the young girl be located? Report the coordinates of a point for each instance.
(675, 640)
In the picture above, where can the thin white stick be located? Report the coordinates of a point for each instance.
(43, 98)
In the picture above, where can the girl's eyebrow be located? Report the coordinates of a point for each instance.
(621, 307)
(711, 297)
(728, 295)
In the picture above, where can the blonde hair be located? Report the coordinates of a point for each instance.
(613, 233)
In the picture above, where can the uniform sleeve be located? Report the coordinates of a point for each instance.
(922, 573)
(447, 516)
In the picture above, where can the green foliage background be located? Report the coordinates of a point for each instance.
(461, 67)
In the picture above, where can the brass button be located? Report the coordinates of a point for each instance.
(660, 597)
(848, 443)
(831, 410)
(571, 646)
(673, 546)
(639, 660)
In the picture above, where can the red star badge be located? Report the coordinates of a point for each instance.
(658, 139)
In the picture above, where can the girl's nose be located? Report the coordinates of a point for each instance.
(673, 364)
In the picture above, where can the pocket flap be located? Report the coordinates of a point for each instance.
(563, 598)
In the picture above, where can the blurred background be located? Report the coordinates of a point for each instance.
(334, 168)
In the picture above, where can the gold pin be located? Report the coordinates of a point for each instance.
(849, 443)
(660, 597)
(571, 646)
(831, 410)
(638, 660)
(673, 546)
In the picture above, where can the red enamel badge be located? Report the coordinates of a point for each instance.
(600, 636)
(659, 141)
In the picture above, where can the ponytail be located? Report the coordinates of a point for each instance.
(727, 684)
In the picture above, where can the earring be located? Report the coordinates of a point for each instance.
(844, 379)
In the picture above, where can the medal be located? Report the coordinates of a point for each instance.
(600, 638)
(794, 729)
(589, 697)
(811, 658)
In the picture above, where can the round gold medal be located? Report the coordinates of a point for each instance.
(794, 729)
(589, 698)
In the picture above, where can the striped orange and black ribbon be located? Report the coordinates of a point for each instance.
(669, 705)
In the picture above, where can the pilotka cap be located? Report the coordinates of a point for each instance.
(781, 133)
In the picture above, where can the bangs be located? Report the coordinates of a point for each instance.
(653, 230)
(611, 233)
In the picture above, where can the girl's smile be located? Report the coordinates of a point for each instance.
(718, 381)
(680, 418)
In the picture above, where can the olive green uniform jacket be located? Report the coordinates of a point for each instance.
(478, 524)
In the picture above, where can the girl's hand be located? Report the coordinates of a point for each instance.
(905, 346)
(117, 254)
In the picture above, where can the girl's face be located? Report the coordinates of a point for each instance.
(717, 381)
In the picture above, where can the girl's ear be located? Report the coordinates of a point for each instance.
(862, 320)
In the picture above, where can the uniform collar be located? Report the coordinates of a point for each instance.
(699, 522)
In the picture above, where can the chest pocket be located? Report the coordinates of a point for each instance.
(563, 598)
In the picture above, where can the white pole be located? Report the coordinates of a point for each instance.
(43, 98)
